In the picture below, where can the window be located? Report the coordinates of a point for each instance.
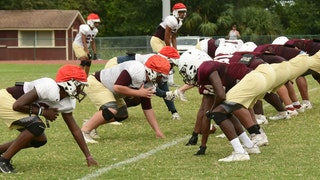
(36, 38)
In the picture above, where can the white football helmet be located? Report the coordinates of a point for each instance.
(247, 47)
(73, 79)
(151, 74)
(92, 18)
(189, 63)
(219, 41)
(226, 48)
(71, 88)
(280, 40)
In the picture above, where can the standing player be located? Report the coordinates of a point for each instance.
(23, 105)
(84, 39)
(165, 35)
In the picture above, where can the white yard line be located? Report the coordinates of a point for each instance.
(106, 169)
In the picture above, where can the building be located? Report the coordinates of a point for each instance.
(38, 34)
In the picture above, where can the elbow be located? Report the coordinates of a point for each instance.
(221, 97)
(116, 89)
(16, 107)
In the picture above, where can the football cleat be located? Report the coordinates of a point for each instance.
(192, 141)
(201, 151)
(176, 116)
(236, 156)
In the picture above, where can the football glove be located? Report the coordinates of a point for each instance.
(95, 57)
(170, 96)
(89, 56)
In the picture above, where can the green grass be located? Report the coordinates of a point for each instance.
(293, 152)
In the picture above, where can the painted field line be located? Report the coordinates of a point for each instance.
(105, 170)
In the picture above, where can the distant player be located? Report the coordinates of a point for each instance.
(165, 35)
(86, 38)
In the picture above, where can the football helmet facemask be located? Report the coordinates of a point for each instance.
(189, 63)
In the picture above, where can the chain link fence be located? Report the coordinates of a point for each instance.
(108, 47)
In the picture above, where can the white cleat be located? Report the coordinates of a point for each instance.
(115, 123)
(252, 150)
(88, 138)
(307, 104)
(260, 139)
(176, 116)
(281, 115)
(236, 156)
(261, 119)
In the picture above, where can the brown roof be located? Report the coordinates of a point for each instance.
(38, 19)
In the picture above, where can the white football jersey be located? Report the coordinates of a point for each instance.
(135, 69)
(142, 58)
(86, 30)
(49, 93)
(172, 22)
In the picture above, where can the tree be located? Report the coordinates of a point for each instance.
(204, 18)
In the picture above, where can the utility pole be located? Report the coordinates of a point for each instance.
(165, 8)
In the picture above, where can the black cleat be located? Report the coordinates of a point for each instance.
(6, 166)
(201, 151)
(192, 141)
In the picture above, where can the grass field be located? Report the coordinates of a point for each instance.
(131, 151)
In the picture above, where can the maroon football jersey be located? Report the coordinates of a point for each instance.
(229, 74)
(286, 52)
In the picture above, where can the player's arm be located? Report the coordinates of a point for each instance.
(219, 91)
(94, 48)
(84, 43)
(77, 135)
(121, 86)
(23, 103)
(127, 91)
(151, 117)
(167, 36)
(174, 40)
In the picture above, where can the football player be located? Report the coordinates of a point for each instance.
(108, 87)
(86, 38)
(165, 35)
(243, 95)
(25, 106)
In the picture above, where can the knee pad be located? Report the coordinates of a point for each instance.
(37, 144)
(33, 124)
(218, 117)
(36, 128)
(112, 105)
(107, 114)
(119, 119)
(132, 101)
(122, 114)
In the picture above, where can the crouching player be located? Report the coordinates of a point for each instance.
(25, 105)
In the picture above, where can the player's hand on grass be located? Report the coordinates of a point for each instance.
(159, 135)
(91, 161)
